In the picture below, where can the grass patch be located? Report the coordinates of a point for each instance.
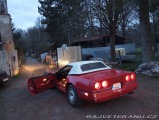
(146, 77)
(130, 66)
(156, 58)
(154, 77)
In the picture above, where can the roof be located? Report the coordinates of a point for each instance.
(76, 69)
(94, 38)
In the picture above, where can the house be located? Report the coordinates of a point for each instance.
(97, 41)
(8, 54)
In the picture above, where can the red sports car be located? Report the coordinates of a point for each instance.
(91, 81)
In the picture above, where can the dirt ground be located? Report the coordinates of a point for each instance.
(17, 104)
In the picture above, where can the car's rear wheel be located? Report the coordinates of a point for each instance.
(72, 95)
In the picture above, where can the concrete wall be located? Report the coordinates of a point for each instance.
(9, 62)
(14, 62)
(6, 32)
(11, 58)
(4, 65)
(3, 7)
(68, 55)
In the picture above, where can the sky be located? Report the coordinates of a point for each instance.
(23, 12)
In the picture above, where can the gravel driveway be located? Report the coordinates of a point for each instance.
(17, 104)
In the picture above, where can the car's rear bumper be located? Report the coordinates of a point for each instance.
(110, 94)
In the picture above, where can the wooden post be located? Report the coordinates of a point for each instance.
(120, 60)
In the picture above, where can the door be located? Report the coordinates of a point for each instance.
(61, 76)
(38, 84)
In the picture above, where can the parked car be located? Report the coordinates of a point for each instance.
(91, 81)
(3, 77)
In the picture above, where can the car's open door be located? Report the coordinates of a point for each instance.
(40, 81)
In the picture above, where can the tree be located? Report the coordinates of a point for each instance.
(63, 20)
(19, 43)
(145, 31)
(127, 16)
(110, 15)
(16, 33)
(154, 16)
(37, 39)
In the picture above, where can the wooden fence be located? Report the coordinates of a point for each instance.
(68, 55)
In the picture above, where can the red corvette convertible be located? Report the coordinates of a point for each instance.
(87, 80)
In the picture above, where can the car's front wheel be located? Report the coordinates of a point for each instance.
(72, 95)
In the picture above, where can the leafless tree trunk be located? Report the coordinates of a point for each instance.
(145, 31)
(112, 45)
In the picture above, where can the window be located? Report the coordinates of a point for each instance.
(63, 72)
(92, 66)
(67, 68)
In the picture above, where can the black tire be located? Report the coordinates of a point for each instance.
(72, 96)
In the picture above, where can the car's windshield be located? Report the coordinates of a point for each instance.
(92, 66)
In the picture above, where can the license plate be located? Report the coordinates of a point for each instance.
(116, 86)
(6, 79)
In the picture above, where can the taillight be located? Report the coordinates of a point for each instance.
(127, 78)
(97, 86)
(104, 84)
(132, 76)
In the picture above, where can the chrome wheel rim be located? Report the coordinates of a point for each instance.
(71, 96)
